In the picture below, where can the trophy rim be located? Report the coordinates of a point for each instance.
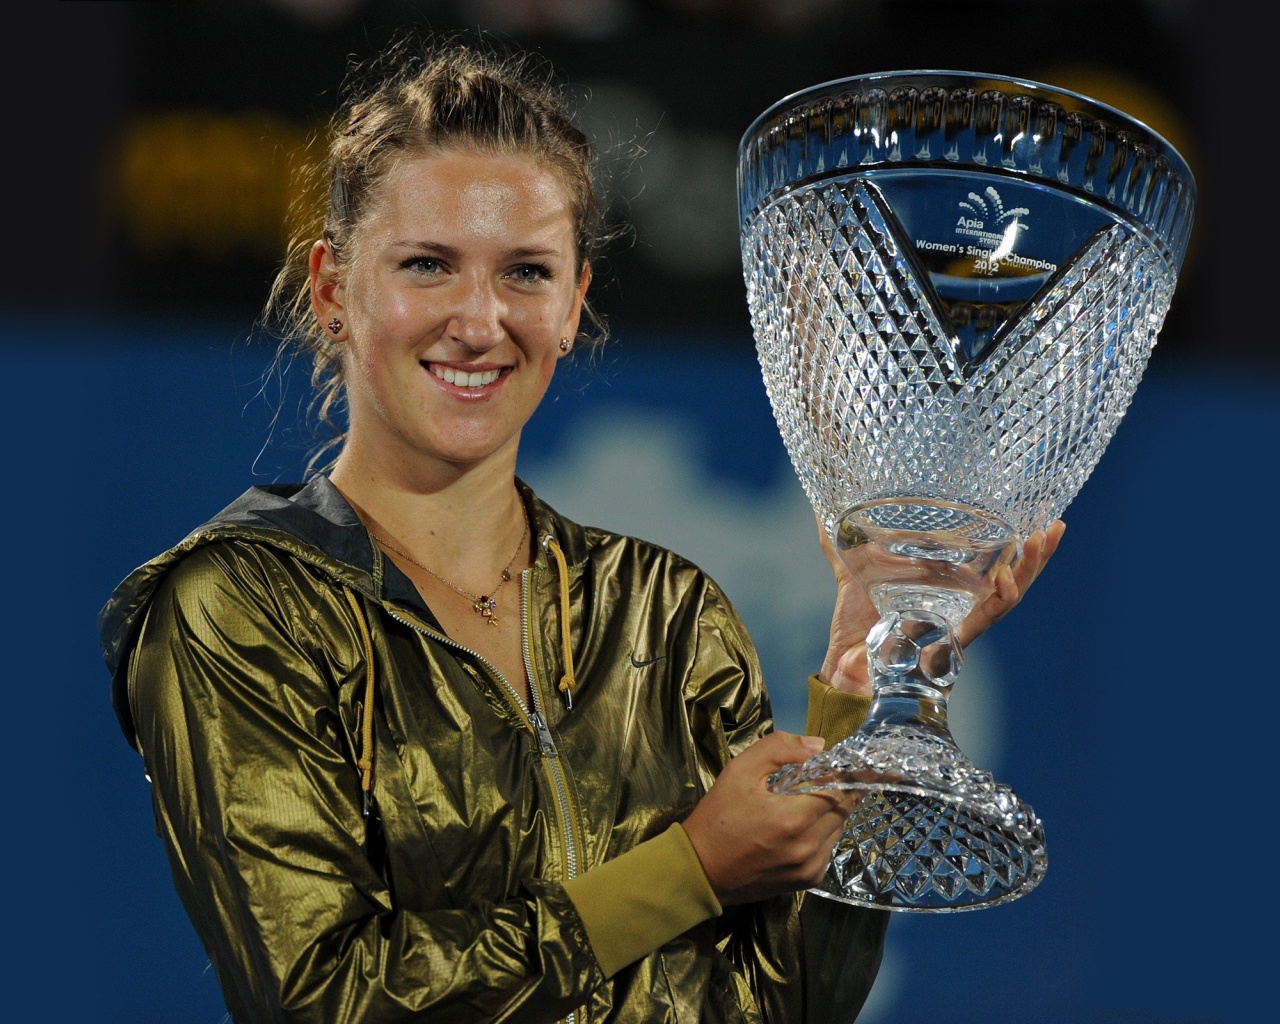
(941, 75)
(1136, 174)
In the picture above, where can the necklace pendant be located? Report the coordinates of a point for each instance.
(484, 606)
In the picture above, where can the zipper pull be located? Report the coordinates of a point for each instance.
(546, 743)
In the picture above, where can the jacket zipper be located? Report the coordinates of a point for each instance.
(534, 717)
(546, 745)
(546, 742)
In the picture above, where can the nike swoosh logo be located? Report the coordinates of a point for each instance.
(649, 661)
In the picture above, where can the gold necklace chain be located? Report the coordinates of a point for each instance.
(482, 604)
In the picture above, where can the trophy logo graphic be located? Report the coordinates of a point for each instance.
(955, 283)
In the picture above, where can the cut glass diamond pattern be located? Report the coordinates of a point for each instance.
(876, 399)
(918, 849)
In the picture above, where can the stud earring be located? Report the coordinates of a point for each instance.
(335, 325)
(565, 344)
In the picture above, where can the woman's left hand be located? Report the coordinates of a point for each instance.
(845, 666)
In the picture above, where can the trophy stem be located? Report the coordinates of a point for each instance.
(933, 832)
(913, 659)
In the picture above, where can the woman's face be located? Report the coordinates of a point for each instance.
(464, 280)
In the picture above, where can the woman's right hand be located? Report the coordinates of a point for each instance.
(755, 843)
(845, 665)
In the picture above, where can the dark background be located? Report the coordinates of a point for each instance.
(171, 127)
(147, 149)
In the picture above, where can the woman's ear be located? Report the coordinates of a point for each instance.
(327, 291)
(579, 298)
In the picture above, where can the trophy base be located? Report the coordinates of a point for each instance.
(932, 833)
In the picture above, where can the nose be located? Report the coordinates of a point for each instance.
(476, 320)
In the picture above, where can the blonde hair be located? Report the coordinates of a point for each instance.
(418, 97)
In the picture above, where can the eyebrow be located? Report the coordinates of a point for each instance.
(452, 253)
(533, 253)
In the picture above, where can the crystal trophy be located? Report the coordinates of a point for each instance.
(955, 282)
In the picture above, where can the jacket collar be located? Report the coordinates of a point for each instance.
(319, 516)
(313, 522)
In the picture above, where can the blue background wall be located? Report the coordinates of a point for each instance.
(1126, 698)
(1129, 698)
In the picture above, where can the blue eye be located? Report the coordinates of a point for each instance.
(531, 272)
(422, 264)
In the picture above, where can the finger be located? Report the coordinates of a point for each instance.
(1036, 553)
(809, 818)
(828, 548)
(992, 608)
(1007, 588)
(1046, 543)
(777, 749)
(1010, 584)
(833, 815)
(829, 830)
(828, 847)
(835, 808)
(1053, 537)
(802, 825)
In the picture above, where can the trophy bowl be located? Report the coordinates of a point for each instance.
(955, 281)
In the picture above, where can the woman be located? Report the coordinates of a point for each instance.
(423, 749)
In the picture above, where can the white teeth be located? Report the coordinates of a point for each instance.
(462, 379)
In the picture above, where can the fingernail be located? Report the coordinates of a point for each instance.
(814, 743)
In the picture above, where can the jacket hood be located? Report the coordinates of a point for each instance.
(314, 523)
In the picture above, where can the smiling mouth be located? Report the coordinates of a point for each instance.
(465, 379)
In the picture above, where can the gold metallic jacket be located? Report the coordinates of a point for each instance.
(366, 824)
